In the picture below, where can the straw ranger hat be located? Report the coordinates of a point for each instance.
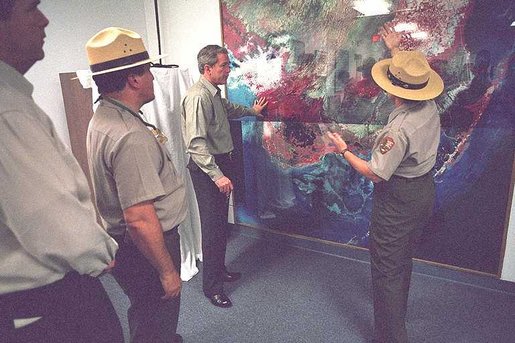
(408, 75)
(114, 49)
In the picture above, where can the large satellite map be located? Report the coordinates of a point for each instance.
(312, 60)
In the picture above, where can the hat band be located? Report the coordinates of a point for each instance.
(396, 82)
(119, 62)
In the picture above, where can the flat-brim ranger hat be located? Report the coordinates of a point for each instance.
(408, 75)
(114, 49)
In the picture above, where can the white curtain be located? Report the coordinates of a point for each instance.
(170, 85)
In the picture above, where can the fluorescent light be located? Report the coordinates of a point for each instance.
(420, 35)
(406, 27)
(371, 7)
(412, 29)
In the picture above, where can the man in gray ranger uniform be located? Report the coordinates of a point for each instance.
(139, 194)
(51, 248)
(402, 158)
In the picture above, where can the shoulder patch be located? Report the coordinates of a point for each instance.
(386, 145)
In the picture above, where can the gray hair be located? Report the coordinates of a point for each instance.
(208, 55)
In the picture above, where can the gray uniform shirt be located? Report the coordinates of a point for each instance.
(205, 125)
(408, 144)
(47, 220)
(129, 166)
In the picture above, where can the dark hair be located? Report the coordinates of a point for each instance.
(208, 55)
(410, 102)
(116, 80)
(6, 8)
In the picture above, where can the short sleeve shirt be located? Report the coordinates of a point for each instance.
(47, 219)
(129, 166)
(408, 144)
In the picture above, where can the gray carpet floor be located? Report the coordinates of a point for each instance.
(294, 294)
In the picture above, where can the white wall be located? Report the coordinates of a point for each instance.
(186, 25)
(508, 270)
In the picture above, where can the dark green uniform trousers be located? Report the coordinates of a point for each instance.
(401, 209)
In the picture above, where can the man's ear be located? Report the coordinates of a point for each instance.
(133, 81)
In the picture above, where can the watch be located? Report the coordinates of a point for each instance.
(343, 152)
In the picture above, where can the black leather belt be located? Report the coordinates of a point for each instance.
(411, 178)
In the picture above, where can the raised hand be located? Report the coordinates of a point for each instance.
(337, 141)
(259, 105)
(391, 38)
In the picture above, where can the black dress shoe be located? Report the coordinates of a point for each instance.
(231, 277)
(220, 300)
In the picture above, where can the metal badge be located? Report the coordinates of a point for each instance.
(161, 138)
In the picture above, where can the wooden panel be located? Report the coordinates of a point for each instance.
(79, 110)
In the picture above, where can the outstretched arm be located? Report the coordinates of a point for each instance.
(391, 38)
(259, 106)
(357, 163)
(237, 111)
